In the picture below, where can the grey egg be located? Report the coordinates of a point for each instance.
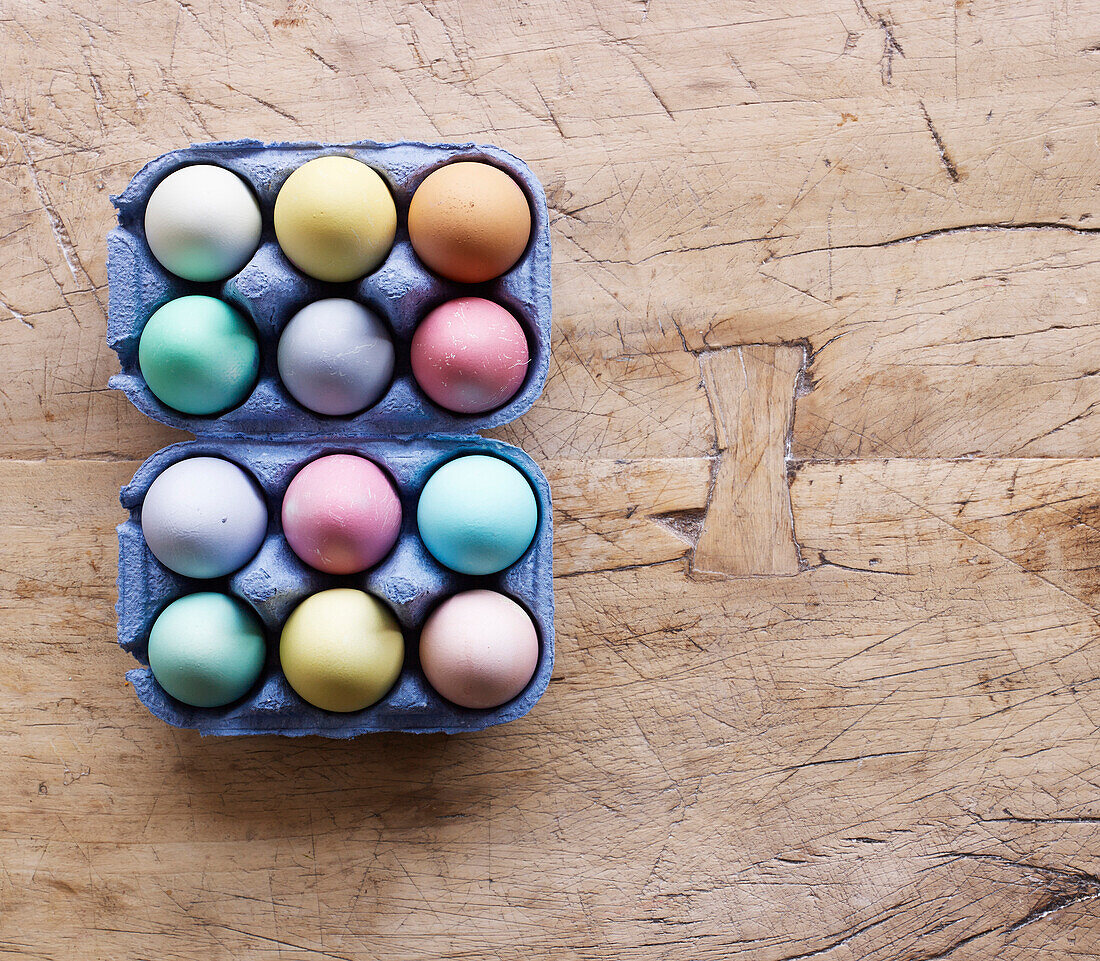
(336, 357)
(204, 517)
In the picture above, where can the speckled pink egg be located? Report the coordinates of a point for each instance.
(341, 514)
(469, 355)
(479, 649)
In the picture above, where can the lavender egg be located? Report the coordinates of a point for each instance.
(336, 357)
(203, 517)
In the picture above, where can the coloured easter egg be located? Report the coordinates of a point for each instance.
(469, 221)
(477, 514)
(202, 222)
(479, 649)
(206, 649)
(199, 355)
(335, 218)
(336, 357)
(341, 514)
(203, 517)
(469, 355)
(341, 650)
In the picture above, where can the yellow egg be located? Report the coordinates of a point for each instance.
(341, 650)
(335, 219)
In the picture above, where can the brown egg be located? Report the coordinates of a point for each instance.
(469, 222)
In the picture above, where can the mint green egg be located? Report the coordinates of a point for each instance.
(199, 355)
(477, 514)
(207, 649)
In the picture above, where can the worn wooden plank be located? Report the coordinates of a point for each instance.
(782, 138)
(915, 744)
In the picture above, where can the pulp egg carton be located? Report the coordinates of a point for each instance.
(271, 437)
(275, 581)
(269, 290)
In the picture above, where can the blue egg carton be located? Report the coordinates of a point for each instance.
(269, 290)
(271, 437)
(275, 581)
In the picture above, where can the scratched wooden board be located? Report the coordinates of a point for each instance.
(821, 425)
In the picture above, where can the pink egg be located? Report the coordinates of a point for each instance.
(341, 514)
(469, 355)
(479, 649)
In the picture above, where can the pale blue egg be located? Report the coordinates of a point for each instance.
(477, 514)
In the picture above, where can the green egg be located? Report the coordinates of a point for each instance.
(206, 649)
(199, 355)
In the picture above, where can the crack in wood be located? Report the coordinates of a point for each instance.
(941, 147)
(943, 232)
(890, 46)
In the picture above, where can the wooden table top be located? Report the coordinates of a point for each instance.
(822, 427)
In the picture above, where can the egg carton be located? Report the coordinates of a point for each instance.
(269, 289)
(271, 436)
(275, 581)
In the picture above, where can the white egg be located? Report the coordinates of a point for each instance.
(202, 223)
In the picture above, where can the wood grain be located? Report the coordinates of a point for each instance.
(876, 741)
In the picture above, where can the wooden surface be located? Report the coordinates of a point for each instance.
(823, 425)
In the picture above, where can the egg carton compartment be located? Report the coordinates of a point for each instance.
(275, 581)
(270, 290)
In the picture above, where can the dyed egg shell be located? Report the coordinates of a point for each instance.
(335, 219)
(469, 355)
(336, 357)
(341, 650)
(479, 649)
(477, 514)
(207, 649)
(198, 355)
(341, 514)
(469, 221)
(202, 223)
(203, 517)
